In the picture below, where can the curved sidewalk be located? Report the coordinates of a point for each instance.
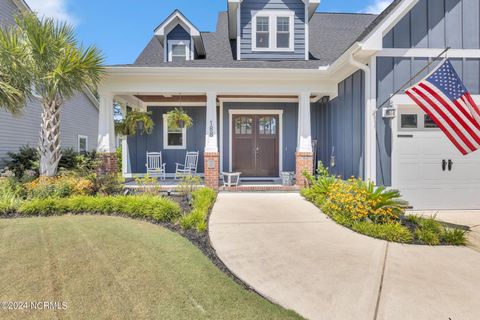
(287, 250)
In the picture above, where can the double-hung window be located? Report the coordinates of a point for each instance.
(173, 138)
(273, 31)
(82, 144)
(178, 50)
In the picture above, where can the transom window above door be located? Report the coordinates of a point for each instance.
(273, 30)
(178, 50)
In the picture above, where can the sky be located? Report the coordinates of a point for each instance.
(122, 28)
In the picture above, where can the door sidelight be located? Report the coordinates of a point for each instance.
(450, 165)
(444, 164)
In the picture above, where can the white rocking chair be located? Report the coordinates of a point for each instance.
(190, 166)
(155, 167)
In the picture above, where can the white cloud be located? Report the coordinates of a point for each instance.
(56, 9)
(378, 6)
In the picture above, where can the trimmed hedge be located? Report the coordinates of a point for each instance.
(203, 200)
(143, 206)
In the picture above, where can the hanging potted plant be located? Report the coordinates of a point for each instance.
(179, 119)
(134, 122)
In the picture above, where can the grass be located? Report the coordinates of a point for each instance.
(116, 268)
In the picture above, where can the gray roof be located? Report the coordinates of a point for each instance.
(331, 34)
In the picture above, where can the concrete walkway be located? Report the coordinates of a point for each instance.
(287, 250)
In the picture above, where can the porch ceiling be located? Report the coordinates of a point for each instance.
(203, 98)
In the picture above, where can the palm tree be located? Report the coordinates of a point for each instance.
(43, 57)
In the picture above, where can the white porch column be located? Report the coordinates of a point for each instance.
(106, 128)
(304, 124)
(211, 135)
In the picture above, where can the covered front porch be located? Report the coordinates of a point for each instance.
(261, 133)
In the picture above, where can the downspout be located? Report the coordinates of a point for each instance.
(369, 166)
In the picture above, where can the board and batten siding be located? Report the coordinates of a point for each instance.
(338, 126)
(430, 24)
(138, 145)
(249, 6)
(438, 24)
(289, 125)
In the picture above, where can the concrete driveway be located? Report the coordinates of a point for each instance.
(289, 252)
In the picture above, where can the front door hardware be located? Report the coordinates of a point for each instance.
(444, 165)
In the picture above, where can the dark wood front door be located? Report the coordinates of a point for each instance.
(255, 144)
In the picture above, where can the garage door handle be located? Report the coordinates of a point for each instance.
(444, 165)
(450, 165)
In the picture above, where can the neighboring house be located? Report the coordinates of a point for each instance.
(279, 86)
(79, 116)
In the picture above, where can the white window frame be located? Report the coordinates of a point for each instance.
(165, 136)
(273, 15)
(78, 142)
(187, 44)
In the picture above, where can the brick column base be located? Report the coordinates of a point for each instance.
(212, 169)
(304, 163)
(108, 163)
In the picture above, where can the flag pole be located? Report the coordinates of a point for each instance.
(408, 82)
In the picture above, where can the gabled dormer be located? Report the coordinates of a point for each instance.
(271, 29)
(180, 38)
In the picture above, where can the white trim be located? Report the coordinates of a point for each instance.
(80, 136)
(247, 99)
(231, 112)
(239, 32)
(175, 104)
(371, 126)
(273, 15)
(165, 136)
(220, 130)
(429, 53)
(307, 33)
(188, 49)
(167, 175)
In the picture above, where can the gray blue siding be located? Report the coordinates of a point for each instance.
(248, 6)
(179, 33)
(138, 145)
(290, 125)
(438, 24)
(391, 74)
(8, 10)
(338, 127)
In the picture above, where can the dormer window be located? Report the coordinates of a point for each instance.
(273, 31)
(178, 50)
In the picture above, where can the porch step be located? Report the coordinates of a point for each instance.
(256, 187)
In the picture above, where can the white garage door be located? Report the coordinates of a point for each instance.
(429, 171)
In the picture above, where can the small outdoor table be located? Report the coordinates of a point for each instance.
(231, 179)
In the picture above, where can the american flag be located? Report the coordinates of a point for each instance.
(443, 96)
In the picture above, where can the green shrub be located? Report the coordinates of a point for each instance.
(143, 206)
(107, 184)
(203, 200)
(388, 231)
(454, 237)
(428, 236)
(25, 159)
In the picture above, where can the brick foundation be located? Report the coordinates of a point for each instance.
(108, 163)
(212, 169)
(304, 163)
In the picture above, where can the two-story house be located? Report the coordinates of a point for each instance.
(79, 116)
(279, 86)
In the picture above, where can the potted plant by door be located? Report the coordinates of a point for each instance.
(179, 119)
(134, 122)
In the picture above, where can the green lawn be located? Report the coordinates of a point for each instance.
(115, 268)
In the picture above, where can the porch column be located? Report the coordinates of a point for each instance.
(304, 155)
(211, 154)
(106, 134)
